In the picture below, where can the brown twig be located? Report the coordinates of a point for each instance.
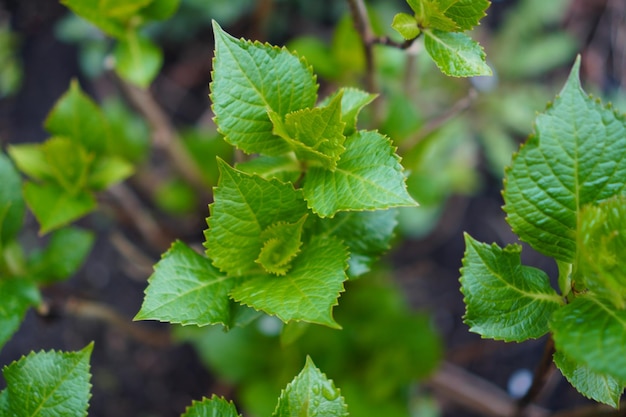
(435, 123)
(163, 133)
(364, 28)
(539, 379)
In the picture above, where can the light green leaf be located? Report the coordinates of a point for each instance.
(576, 157)
(352, 102)
(598, 387)
(185, 288)
(54, 207)
(284, 168)
(121, 8)
(367, 234)
(244, 206)
(368, 177)
(89, 10)
(601, 246)
(591, 332)
(108, 170)
(405, 25)
(308, 291)
(31, 160)
(11, 201)
(77, 117)
(250, 79)
(17, 295)
(69, 163)
(65, 253)
(504, 299)
(429, 14)
(456, 54)
(311, 394)
(315, 135)
(137, 59)
(465, 13)
(213, 407)
(282, 241)
(49, 384)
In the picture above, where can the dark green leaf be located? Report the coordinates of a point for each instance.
(11, 201)
(17, 295)
(65, 253)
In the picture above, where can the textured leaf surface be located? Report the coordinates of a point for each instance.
(213, 407)
(282, 244)
(456, 54)
(465, 13)
(429, 14)
(248, 80)
(311, 394)
(284, 168)
(185, 288)
(592, 332)
(602, 249)
(77, 117)
(599, 387)
(505, 300)
(65, 253)
(576, 157)
(245, 205)
(11, 201)
(16, 297)
(308, 291)
(368, 177)
(49, 384)
(137, 59)
(54, 207)
(367, 234)
(405, 25)
(315, 134)
(352, 102)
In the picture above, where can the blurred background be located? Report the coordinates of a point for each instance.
(403, 342)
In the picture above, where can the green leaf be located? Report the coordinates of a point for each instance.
(352, 102)
(160, 9)
(89, 10)
(282, 241)
(456, 54)
(505, 300)
(315, 135)
(576, 157)
(213, 407)
(429, 14)
(77, 117)
(465, 13)
(601, 246)
(405, 25)
(108, 170)
(307, 292)
(250, 79)
(598, 387)
(65, 253)
(591, 332)
(54, 207)
(68, 162)
(121, 8)
(49, 384)
(31, 160)
(17, 295)
(284, 168)
(185, 288)
(129, 136)
(368, 177)
(137, 59)
(311, 394)
(367, 234)
(11, 201)
(245, 205)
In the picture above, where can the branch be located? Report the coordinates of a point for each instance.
(539, 379)
(364, 28)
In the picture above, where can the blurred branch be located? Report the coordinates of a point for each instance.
(539, 378)
(364, 28)
(164, 134)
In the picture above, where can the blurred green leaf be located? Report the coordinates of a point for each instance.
(129, 135)
(137, 59)
(12, 205)
(176, 197)
(160, 9)
(17, 295)
(108, 170)
(89, 10)
(68, 162)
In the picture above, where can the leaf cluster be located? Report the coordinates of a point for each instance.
(564, 195)
(288, 226)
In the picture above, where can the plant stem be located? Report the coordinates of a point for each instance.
(363, 27)
(539, 379)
